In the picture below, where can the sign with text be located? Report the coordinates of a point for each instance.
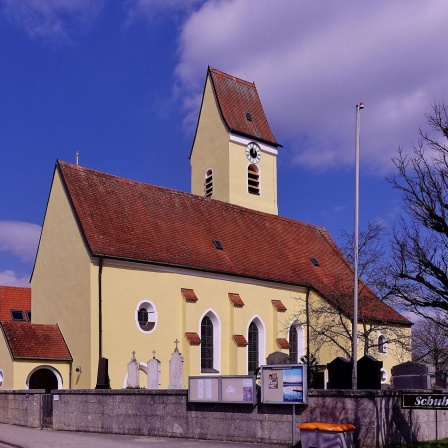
(284, 384)
(424, 401)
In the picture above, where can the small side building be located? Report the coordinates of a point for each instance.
(32, 356)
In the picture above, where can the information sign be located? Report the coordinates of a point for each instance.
(284, 384)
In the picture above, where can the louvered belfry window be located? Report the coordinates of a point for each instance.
(253, 179)
(252, 349)
(206, 344)
(294, 346)
(208, 183)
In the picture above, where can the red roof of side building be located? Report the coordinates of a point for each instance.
(129, 220)
(236, 98)
(14, 298)
(35, 341)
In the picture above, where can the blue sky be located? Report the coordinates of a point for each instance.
(121, 82)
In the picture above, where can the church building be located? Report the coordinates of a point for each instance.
(123, 266)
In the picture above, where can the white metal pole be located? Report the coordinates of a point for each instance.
(355, 289)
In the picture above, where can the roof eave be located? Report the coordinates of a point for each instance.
(195, 268)
(39, 358)
(251, 136)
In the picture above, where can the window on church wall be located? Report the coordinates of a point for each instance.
(208, 183)
(296, 342)
(382, 344)
(253, 179)
(207, 346)
(253, 348)
(146, 316)
(293, 352)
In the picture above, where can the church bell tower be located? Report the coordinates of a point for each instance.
(234, 153)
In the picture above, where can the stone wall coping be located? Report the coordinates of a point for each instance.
(121, 392)
(23, 392)
(348, 393)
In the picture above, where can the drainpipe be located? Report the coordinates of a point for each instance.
(70, 374)
(100, 309)
(308, 333)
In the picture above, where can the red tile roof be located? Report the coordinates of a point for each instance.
(14, 298)
(193, 338)
(236, 300)
(283, 343)
(240, 340)
(35, 341)
(236, 98)
(278, 305)
(130, 220)
(189, 295)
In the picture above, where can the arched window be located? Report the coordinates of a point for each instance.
(382, 344)
(253, 348)
(206, 344)
(253, 179)
(210, 342)
(208, 183)
(296, 342)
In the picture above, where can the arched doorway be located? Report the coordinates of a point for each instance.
(43, 379)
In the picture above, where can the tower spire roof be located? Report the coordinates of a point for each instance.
(240, 107)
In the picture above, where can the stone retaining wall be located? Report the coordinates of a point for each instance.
(21, 407)
(378, 416)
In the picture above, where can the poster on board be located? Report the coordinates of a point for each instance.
(284, 384)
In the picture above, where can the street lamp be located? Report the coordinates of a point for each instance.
(355, 291)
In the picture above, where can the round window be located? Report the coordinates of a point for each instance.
(146, 316)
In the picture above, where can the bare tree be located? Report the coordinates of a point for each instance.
(419, 262)
(430, 344)
(330, 321)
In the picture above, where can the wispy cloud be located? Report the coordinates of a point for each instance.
(20, 239)
(10, 278)
(50, 18)
(313, 62)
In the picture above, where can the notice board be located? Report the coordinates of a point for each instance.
(284, 384)
(204, 388)
(238, 389)
(222, 389)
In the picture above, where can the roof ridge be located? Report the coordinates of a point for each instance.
(234, 78)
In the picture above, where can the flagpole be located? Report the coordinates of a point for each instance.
(359, 107)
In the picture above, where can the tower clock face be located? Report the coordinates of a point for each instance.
(253, 152)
